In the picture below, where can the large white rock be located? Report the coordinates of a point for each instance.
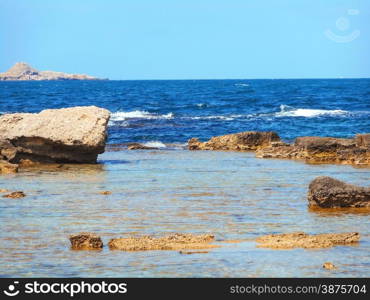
(75, 134)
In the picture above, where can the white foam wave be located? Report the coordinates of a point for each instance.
(241, 84)
(138, 114)
(155, 144)
(286, 111)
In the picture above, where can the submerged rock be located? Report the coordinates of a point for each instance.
(243, 141)
(74, 135)
(175, 241)
(7, 167)
(85, 241)
(329, 266)
(137, 146)
(322, 150)
(18, 194)
(23, 71)
(304, 240)
(105, 193)
(328, 192)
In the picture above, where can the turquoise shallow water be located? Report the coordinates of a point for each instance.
(231, 195)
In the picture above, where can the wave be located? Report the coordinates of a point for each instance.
(138, 114)
(288, 111)
(241, 84)
(155, 144)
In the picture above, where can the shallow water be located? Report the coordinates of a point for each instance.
(231, 195)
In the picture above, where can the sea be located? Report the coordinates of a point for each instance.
(232, 195)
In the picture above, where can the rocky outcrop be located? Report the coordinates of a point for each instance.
(322, 150)
(67, 135)
(177, 241)
(86, 241)
(304, 240)
(243, 141)
(23, 71)
(327, 192)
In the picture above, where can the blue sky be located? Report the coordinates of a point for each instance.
(188, 39)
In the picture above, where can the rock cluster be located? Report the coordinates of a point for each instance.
(23, 71)
(354, 151)
(304, 240)
(67, 135)
(327, 192)
(243, 141)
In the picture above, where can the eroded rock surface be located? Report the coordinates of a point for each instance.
(175, 241)
(86, 241)
(354, 151)
(327, 192)
(7, 167)
(74, 135)
(243, 141)
(304, 240)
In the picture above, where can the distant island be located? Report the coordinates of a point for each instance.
(23, 71)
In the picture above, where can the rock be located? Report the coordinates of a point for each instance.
(328, 192)
(329, 266)
(137, 146)
(303, 240)
(85, 241)
(192, 252)
(322, 150)
(18, 194)
(3, 190)
(175, 241)
(23, 71)
(7, 167)
(105, 193)
(243, 141)
(67, 135)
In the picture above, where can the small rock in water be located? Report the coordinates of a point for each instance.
(105, 193)
(137, 146)
(85, 241)
(304, 240)
(327, 192)
(18, 194)
(329, 266)
(177, 241)
(3, 191)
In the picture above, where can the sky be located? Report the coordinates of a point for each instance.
(189, 39)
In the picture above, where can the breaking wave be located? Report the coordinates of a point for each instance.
(288, 111)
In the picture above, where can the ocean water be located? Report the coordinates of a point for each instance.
(175, 111)
(232, 195)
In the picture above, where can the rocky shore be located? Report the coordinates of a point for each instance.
(67, 135)
(355, 151)
(23, 71)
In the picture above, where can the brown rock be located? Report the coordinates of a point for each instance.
(303, 240)
(7, 167)
(363, 140)
(3, 190)
(85, 241)
(329, 266)
(74, 135)
(105, 193)
(175, 241)
(243, 141)
(15, 195)
(328, 192)
(322, 150)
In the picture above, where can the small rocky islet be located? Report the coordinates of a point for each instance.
(23, 71)
(78, 135)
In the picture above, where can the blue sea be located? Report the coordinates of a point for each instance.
(232, 195)
(174, 111)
